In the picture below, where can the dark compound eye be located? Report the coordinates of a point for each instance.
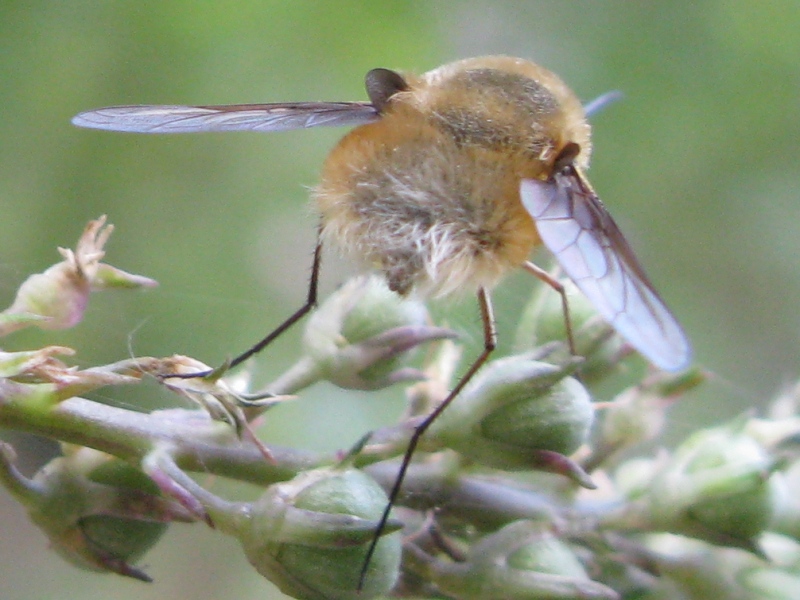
(382, 84)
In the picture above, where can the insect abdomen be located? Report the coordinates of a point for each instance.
(432, 214)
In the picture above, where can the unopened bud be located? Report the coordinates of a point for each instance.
(693, 570)
(98, 512)
(362, 336)
(57, 298)
(522, 561)
(309, 536)
(638, 414)
(514, 409)
(717, 486)
(544, 321)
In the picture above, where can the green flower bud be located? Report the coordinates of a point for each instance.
(362, 336)
(99, 513)
(57, 298)
(633, 476)
(717, 487)
(524, 561)
(309, 536)
(786, 519)
(698, 571)
(773, 583)
(543, 321)
(514, 408)
(638, 414)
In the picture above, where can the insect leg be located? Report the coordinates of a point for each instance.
(558, 287)
(489, 344)
(311, 302)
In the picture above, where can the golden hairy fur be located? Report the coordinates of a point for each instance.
(429, 194)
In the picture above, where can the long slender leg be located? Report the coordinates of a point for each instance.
(554, 283)
(311, 302)
(489, 344)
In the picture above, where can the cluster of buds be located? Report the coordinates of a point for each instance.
(99, 513)
(716, 486)
(521, 561)
(494, 503)
(308, 536)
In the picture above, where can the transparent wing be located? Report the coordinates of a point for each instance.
(575, 226)
(593, 107)
(233, 117)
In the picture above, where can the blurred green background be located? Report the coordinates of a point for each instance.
(699, 165)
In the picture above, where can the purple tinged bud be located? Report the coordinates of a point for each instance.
(57, 298)
(362, 336)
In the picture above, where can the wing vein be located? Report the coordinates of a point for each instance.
(575, 226)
